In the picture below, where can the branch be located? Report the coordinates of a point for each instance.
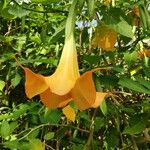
(38, 11)
(90, 138)
(48, 124)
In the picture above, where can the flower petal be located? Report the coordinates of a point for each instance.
(52, 100)
(34, 84)
(84, 92)
(67, 72)
(99, 99)
(69, 112)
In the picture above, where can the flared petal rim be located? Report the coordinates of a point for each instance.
(34, 84)
(84, 92)
(100, 96)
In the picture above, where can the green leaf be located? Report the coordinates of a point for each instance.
(147, 71)
(13, 125)
(99, 123)
(36, 38)
(130, 58)
(18, 11)
(123, 28)
(23, 108)
(109, 81)
(58, 33)
(49, 135)
(36, 144)
(77, 147)
(92, 59)
(81, 3)
(91, 7)
(43, 34)
(45, 1)
(3, 4)
(143, 82)
(34, 134)
(112, 139)
(2, 85)
(5, 129)
(5, 13)
(128, 110)
(97, 83)
(85, 116)
(135, 129)
(51, 116)
(103, 108)
(16, 80)
(5, 116)
(133, 85)
(12, 144)
(146, 105)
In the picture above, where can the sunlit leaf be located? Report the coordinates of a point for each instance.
(5, 129)
(103, 108)
(12, 144)
(18, 11)
(2, 85)
(107, 2)
(36, 144)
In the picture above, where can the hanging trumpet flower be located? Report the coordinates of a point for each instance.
(65, 84)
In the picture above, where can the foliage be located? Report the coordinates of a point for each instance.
(33, 31)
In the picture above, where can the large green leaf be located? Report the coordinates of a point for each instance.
(5, 129)
(36, 144)
(133, 85)
(123, 28)
(18, 11)
(117, 20)
(16, 80)
(12, 144)
(136, 129)
(143, 82)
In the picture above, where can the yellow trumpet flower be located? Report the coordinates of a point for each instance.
(65, 84)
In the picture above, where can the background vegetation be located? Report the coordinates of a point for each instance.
(33, 30)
